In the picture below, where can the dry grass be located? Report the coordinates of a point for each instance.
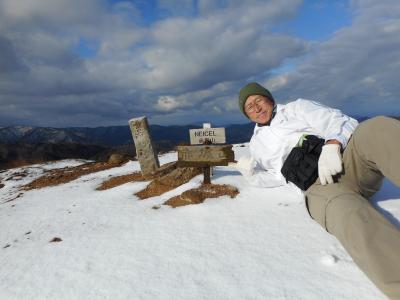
(168, 182)
(119, 180)
(65, 175)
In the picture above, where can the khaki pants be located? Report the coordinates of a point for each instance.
(344, 210)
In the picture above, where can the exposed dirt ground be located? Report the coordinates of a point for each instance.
(161, 184)
(119, 180)
(64, 175)
(198, 195)
(137, 176)
(19, 163)
(168, 182)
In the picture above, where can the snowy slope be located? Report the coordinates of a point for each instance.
(260, 245)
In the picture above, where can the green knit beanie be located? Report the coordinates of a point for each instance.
(252, 88)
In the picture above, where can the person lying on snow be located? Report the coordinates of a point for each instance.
(339, 164)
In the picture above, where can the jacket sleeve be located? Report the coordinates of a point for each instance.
(329, 123)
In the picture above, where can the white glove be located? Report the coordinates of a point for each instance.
(329, 163)
(245, 165)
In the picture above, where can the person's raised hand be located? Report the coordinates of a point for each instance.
(245, 165)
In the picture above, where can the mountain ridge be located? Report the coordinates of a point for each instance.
(111, 135)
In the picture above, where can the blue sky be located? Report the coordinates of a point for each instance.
(98, 63)
(318, 20)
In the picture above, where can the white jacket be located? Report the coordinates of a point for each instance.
(270, 145)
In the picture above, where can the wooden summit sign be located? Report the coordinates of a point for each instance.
(205, 155)
(204, 135)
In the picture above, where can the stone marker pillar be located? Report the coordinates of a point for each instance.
(145, 152)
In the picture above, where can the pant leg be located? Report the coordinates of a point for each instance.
(370, 239)
(373, 153)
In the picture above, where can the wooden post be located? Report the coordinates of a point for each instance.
(207, 175)
(207, 170)
(147, 156)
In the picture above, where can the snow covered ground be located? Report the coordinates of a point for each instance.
(260, 245)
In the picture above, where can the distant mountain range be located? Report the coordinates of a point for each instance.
(111, 136)
(21, 145)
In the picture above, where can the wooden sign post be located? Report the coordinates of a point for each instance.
(147, 156)
(207, 155)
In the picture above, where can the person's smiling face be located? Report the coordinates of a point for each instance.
(258, 108)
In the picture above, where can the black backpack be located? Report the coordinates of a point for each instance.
(301, 165)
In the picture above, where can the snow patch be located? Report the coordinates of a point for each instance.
(111, 245)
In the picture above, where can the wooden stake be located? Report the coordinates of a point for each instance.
(207, 177)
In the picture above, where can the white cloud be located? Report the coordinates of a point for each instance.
(58, 13)
(207, 6)
(167, 103)
(223, 46)
(276, 83)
